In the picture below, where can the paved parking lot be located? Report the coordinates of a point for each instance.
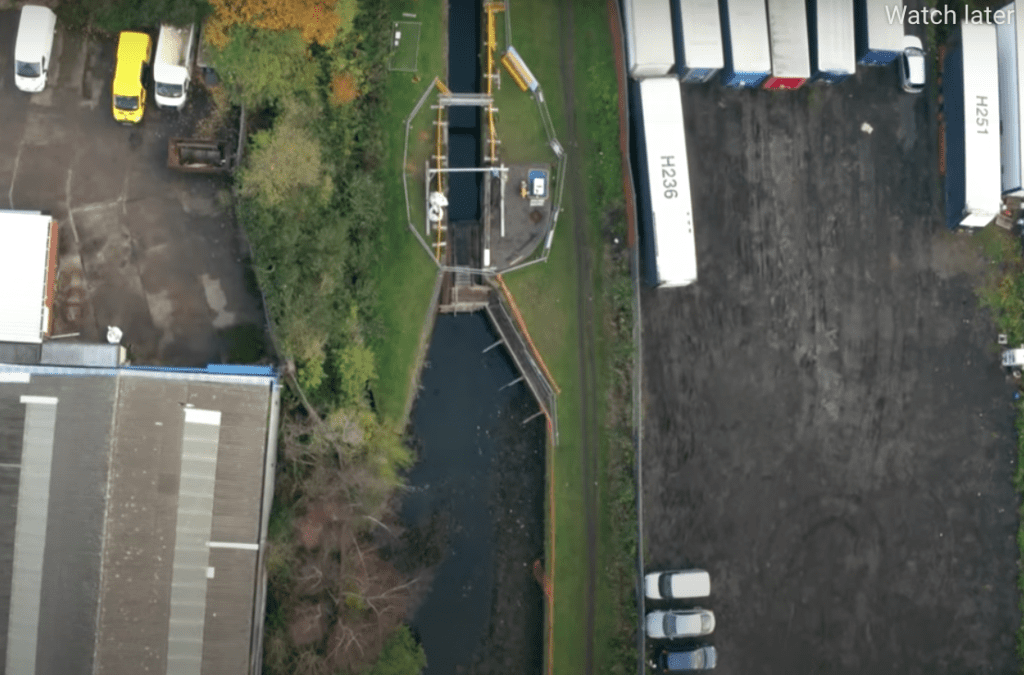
(142, 248)
(827, 429)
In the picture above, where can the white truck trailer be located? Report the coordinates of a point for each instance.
(970, 87)
(699, 39)
(665, 209)
(879, 31)
(790, 44)
(650, 51)
(833, 39)
(748, 57)
(172, 67)
(1010, 48)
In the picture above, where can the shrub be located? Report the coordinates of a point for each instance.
(402, 655)
(264, 67)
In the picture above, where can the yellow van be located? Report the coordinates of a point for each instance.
(133, 55)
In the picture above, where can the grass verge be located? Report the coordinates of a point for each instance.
(547, 296)
(405, 276)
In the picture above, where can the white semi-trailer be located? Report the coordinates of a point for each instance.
(665, 209)
(699, 40)
(650, 51)
(879, 31)
(748, 58)
(970, 87)
(832, 32)
(1010, 47)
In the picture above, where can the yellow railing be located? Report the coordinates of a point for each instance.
(511, 68)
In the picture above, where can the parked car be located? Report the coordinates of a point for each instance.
(677, 585)
(33, 47)
(912, 68)
(701, 658)
(134, 51)
(680, 623)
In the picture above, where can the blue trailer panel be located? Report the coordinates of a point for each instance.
(879, 31)
(747, 54)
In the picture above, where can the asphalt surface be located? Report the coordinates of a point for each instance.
(827, 429)
(142, 248)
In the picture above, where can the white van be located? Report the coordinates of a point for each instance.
(172, 68)
(33, 47)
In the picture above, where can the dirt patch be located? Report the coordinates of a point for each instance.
(950, 257)
(308, 624)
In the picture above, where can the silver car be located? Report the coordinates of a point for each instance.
(680, 623)
(912, 64)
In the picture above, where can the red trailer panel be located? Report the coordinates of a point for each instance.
(784, 82)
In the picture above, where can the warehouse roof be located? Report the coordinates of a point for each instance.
(133, 506)
(24, 262)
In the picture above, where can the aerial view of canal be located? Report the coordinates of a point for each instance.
(474, 511)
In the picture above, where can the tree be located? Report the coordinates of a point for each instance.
(355, 362)
(317, 21)
(402, 655)
(285, 160)
(262, 67)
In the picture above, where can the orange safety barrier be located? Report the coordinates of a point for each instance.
(526, 334)
(551, 568)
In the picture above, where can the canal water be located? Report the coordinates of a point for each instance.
(479, 482)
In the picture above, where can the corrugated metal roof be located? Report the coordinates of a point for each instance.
(702, 33)
(23, 264)
(836, 31)
(30, 532)
(138, 489)
(790, 46)
(748, 36)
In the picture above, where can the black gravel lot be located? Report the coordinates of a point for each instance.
(827, 430)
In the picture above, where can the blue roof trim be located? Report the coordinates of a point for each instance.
(227, 369)
(213, 373)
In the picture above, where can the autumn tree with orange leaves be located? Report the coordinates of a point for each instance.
(317, 21)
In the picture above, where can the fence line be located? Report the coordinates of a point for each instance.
(526, 334)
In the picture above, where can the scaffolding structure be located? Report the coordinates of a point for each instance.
(492, 8)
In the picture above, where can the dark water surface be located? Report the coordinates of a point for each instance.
(480, 482)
